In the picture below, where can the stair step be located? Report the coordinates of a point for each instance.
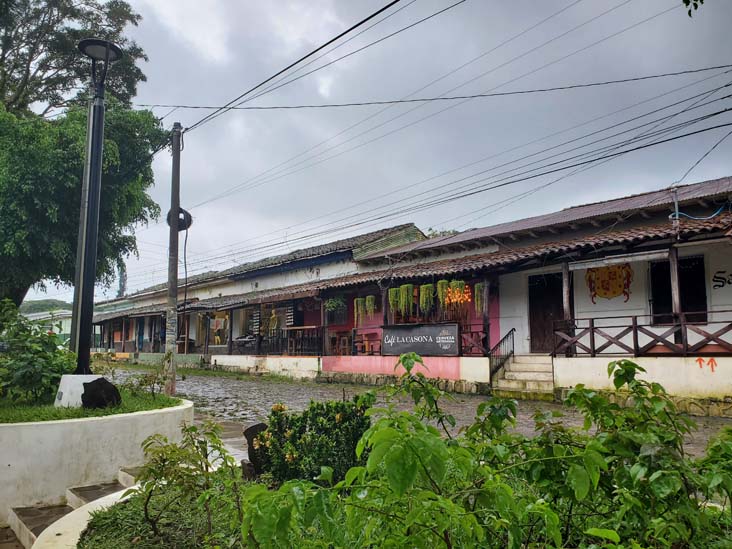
(524, 395)
(531, 359)
(521, 385)
(528, 367)
(127, 476)
(29, 522)
(529, 376)
(8, 539)
(81, 495)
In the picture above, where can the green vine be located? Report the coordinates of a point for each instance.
(359, 310)
(406, 299)
(394, 299)
(442, 286)
(478, 291)
(334, 304)
(458, 285)
(426, 297)
(370, 305)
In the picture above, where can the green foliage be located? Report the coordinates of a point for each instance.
(693, 5)
(457, 285)
(32, 366)
(442, 286)
(43, 305)
(426, 298)
(622, 483)
(39, 61)
(41, 166)
(334, 304)
(478, 297)
(297, 445)
(18, 412)
(406, 299)
(394, 299)
(370, 305)
(359, 310)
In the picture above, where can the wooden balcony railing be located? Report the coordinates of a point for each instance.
(646, 335)
(293, 341)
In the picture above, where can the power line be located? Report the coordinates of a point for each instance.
(216, 113)
(570, 141)
(298, 167)
(695, 164)
(451, 97)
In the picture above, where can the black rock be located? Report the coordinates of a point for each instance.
(255, 455)
(100, 393)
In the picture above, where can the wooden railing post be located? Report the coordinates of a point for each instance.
(684, 334)
(486, 317)
(636, 347)
(592, 337)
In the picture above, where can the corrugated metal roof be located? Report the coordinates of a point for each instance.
(627, 204)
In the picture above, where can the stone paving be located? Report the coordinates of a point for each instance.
(8, 539)
(236, 402)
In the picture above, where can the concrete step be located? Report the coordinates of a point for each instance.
(522, 385)
(529, 376)
(29, 522)
(8, 540)
(531, 359)
(81, 495)
(127, 476)
(529, 367)
(524, 395)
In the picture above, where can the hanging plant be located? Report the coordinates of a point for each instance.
(359, 310)
(426, 297)
(406, 299)
(334, 304)
(458, 293)
(370, 305)
(457, 285)
(394, 299)
(442, 286)
(479, 288)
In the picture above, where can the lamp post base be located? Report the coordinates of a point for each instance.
(70, 390)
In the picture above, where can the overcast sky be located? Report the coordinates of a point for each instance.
(310, 172)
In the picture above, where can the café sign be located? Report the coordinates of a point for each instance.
(423, 339)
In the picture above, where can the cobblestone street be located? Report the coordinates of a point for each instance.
(233, 402)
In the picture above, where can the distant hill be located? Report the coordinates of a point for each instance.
(41, 305)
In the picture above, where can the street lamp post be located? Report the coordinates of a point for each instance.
(102, 53)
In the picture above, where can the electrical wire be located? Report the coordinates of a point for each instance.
(452, 97)
(717, 144)
(298, 166)
(216, 113)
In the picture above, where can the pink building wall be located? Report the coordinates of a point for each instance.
(443, 367)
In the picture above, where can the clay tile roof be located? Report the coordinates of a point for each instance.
(633, 203)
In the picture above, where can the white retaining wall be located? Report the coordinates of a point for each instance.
(40, 460)
(296, 367)
(688, 377)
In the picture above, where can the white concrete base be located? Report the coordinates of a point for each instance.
(70, 390)
(296, 367)
(40, 460)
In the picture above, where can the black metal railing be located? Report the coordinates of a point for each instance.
(501, 352)
(293, 341)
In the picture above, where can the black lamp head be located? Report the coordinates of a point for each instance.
(100, 50)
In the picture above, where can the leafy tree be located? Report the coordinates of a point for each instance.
(41, 163)
(43, 305)
(435, 233)
(693, 5)
(39, 62)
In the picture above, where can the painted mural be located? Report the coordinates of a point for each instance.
(609, 282)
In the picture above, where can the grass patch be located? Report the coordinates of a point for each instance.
(18, 412)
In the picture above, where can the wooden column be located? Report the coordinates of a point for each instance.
(323, 328)
(124, 335)
(188, 333)
(566, 291)
(673, 260)
(486, 316)
(230, 342)
(208, 334)
(385, 306)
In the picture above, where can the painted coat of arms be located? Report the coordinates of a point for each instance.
(609, 282)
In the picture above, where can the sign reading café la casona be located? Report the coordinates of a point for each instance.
(423, 339)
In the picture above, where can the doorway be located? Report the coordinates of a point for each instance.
(545, 307)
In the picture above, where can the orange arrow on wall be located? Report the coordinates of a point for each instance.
(712, 363)
(700, 362)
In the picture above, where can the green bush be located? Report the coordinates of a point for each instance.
(34, 361)
(296, 445)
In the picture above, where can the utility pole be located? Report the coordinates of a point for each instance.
(171, 317)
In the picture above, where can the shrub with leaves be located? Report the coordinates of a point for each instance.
(34, 360)
(296, 445)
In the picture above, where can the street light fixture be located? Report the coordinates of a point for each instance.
(102, 53)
